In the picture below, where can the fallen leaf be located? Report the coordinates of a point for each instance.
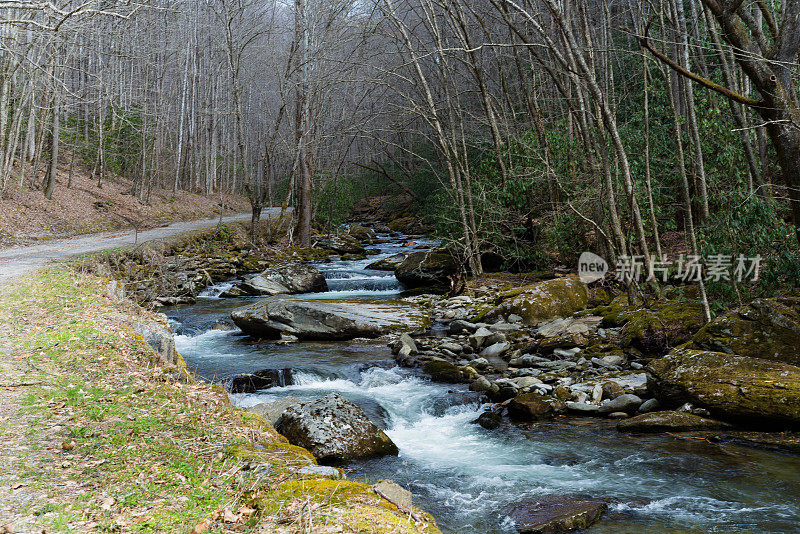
(107, 503)
(16, 486)
(201, 527)
(246, 510)
(230, 517)
(68, 445)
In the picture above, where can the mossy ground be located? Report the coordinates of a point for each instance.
(97, 438)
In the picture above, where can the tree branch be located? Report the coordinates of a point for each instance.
(736, 97)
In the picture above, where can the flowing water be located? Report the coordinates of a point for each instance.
(464, 474)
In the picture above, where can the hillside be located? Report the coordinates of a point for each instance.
(27, 216)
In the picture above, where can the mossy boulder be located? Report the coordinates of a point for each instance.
(361, 234)
(665, 325)
(406, 225)
(734, 388)
(352, 505)
(388, 264)
(542, 301)
(290, 455)
(765, 328)
(443, 371)
(427, 268)
(334, 430)
(341, 244)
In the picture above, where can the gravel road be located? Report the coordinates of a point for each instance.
(19, 260)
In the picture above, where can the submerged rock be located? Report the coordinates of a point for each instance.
(669, 421)
(325, 320)
(334, 430)
(543, 301)
(765, 328)
(734, 388)
(554, 514)
(427, 268)
(266, 378)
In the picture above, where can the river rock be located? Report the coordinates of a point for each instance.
(477, 339)
(460, 326)
(427, 268)
(627, 403)
(325, 320)
(160, 338)
(387, 264)
(334, 430)
(533, 407)
(612, 390)
(669, 421)
(734, 388)
(341, 244)
(264, 379)
(650, 405)
(272, 411)
(362, 234)
(654, 331)
(765, 328)
(581, 408)
(555, 514)
(443, 371)
(543, 301)
(495, 349)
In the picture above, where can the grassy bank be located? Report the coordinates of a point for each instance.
(99, 436)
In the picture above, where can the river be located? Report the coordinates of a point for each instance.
(464, 474)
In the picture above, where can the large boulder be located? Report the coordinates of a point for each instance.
(272, 411)
(387, 264)
(554, 514)
(427, 268)
(325, 320)
(361, 234)
(669, 421)
(543, 301)
(734, 388)
(765, 328)
(654, 331)
(334, 430)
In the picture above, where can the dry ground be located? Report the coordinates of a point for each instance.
(26, 216)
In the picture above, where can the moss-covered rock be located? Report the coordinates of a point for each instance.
(443, 371)
(733, 388)
(427, 268)
(542, 301)
(655, 330)
(361, 234)
(765, 328)
(352, 505)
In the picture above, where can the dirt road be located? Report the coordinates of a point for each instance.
(19, 260)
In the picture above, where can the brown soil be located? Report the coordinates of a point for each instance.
(26, 216)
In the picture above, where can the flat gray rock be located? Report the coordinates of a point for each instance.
(326, 320)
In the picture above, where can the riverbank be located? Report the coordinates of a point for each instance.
(566, 370)
(103, 435)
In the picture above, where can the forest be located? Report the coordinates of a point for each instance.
(524, 132)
